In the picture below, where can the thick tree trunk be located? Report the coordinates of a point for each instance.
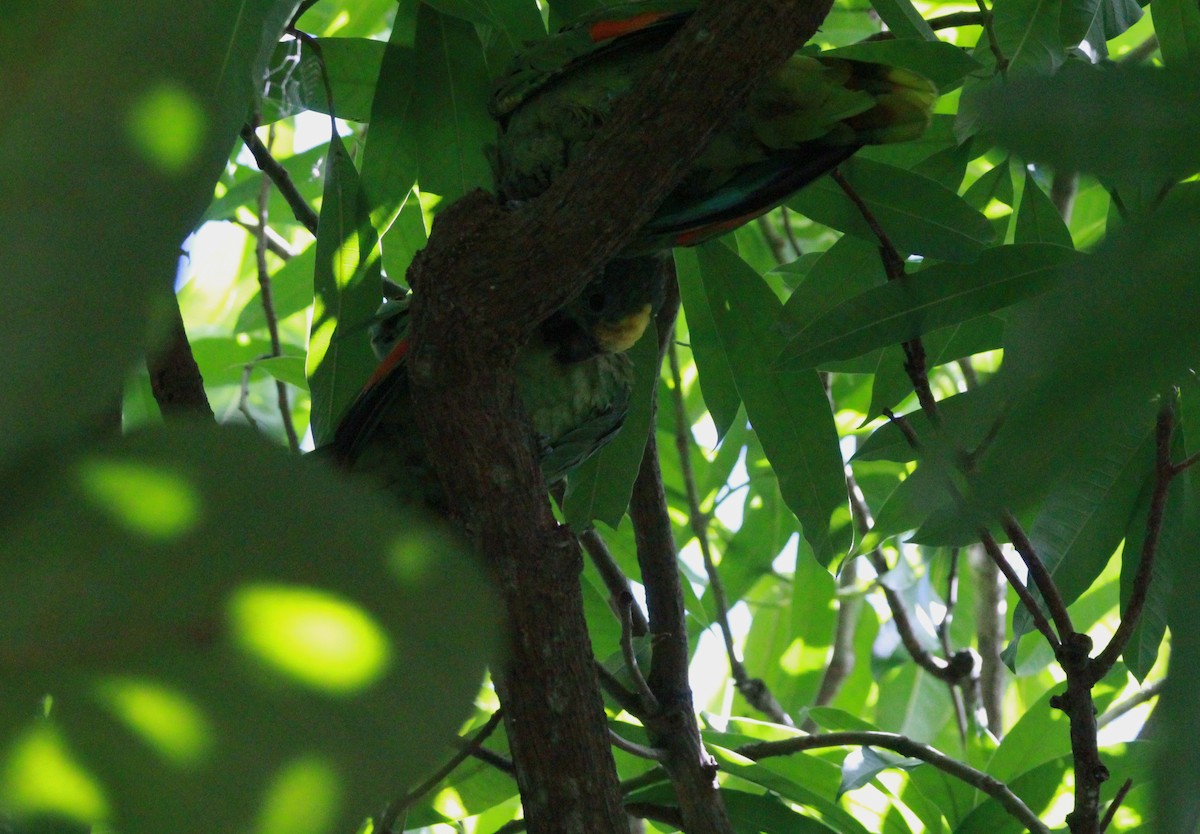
(486, 278)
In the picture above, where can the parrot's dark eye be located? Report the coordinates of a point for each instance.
(596, 302)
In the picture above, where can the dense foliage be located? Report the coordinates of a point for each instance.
(924, 431)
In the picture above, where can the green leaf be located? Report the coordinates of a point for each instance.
(600, 488)
(339, 361)
(1096, 348)
(303, 169)
(251, 660)
(1177, 25)
(790, 411)
(944, 64)
(1172, 559)
(1140, 120)
(861, 769)
(1038, 220)
(298, 72)
(1177, 769)
(1027, 32)
(291, 292)
(712, 366)
(941, 295)
(753, 813)
(111, 162)
(515, 24)
(918, 215)
(450, 123)
(903, 18)
(1083, 519)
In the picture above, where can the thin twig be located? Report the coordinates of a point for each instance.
(1141, 52)
(905, 747)
(282, 179)
(625, 698)
(649, 703)
(774, 241)
(1114, 805)
(993, 550)
(659, 813)
(1148, 693)
(1038, 574)
(399, 806)
(634, 749)
(268, 303)
(993, 43)
(1165, 472)
(788, 231)
(614, 579)
(276, 245)
(754, 690)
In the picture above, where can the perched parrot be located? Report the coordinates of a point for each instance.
(798, 124)
(573, 379)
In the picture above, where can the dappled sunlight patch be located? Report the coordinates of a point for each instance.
(167, 720)
(41, 777)
(147, 500)
(304, 797)
(167, 126)
(311, 636)
(411, 556)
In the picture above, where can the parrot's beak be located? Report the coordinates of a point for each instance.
(619, 336)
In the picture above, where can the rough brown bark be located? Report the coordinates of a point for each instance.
(175, 376)
(486, 278)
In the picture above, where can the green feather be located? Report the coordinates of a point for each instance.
(798, 124)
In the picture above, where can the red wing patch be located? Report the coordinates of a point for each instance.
(702, 233)
(604, 30)
(390, 361)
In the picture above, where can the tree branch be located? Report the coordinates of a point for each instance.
(905, 747)
(487, 277)
(174, 375)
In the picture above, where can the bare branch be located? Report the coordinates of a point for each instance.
(1148, 693)
(282, 179)
(388, 820)
(905, 747)
(635, 749)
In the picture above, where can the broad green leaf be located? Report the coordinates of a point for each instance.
(994, 184)
(1105, 20)
(860, 769)
(1037, 788)
(918, 215)
(1083, 519)
(1090, 351)
(450, 123)
(790, 411)
(223, 360)
(600, 488)
(712, 365)
(1038, 221)
(903, 18)
(220, 641)
(942, 63)
(1140, 120)
(515, 23)
(914, 703)
(1177, 25)
(389, 160)
(941, 295)
(1027, 32)
(801, 778)
(754, 813)
(339, 362)
(1177, 769)
(298, 73)
(304, 171)
(291, 292)
(1172, 560)
(114, 138)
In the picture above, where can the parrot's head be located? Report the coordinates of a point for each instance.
(389, 325)
(611, 313)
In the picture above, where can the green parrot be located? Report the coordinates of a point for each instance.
(798, 124)
(573, 379)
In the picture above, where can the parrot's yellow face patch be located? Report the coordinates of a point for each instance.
(620, 335)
